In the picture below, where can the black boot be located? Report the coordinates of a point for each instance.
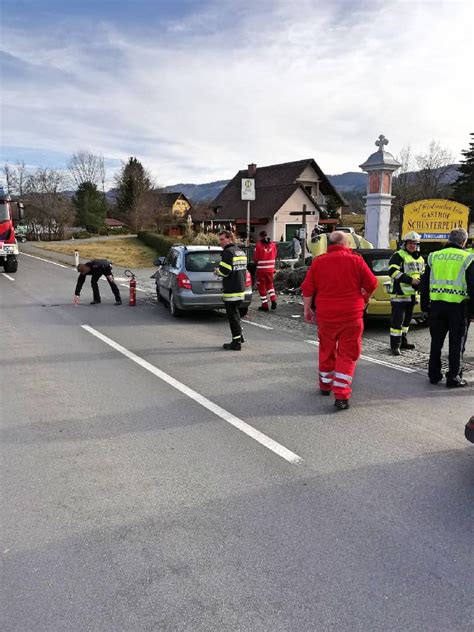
(263, 309)
(457, 383)
(395, 351)
(341, 404)
(395, 345)
(274, 304)
(232, 346)
(405, 344)
(95, 302)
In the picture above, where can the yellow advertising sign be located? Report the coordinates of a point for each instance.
(434, 219)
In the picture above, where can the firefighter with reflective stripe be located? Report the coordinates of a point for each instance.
(232, 270)
(405, 268)
(265, 258)
(447, 294)
(341, 283)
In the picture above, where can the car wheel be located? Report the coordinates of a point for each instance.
(174, 310)
(11, 264)
(243, 311)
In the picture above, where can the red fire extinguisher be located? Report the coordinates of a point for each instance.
(133, 288)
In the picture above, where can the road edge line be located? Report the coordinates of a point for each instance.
(55, 263)
(7, 276)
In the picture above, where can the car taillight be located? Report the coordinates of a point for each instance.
(184, 282)
(248, 279)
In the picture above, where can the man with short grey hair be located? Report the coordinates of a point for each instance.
(338, 237)
(447, 294)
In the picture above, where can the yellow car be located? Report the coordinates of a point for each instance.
(379, 304)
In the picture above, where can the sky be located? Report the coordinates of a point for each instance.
(198, 89)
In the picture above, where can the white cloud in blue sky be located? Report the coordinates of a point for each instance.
(197, 90)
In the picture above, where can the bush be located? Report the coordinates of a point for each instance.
(82, 234)
(202, 239)
(160, 243)
(288, 279)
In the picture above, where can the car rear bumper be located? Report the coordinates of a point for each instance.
(383, 309)
(185, 299)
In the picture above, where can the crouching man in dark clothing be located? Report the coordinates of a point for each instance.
(95, 269)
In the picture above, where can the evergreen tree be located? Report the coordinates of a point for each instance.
(133, 195)
(463, 190)
(91, 207)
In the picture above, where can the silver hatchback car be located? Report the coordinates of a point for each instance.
(185, 280)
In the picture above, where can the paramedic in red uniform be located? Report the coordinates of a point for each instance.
(265, 257)
(341, 284)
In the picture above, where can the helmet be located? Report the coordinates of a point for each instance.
(412, 236)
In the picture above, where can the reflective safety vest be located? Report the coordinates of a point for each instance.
(411, 267)
(233, 270)
(448, 274)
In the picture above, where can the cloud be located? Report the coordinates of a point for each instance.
(197, 96)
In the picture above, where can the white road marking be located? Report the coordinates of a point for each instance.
(7, 276)
(390, 365)
(249, 322)
(55, 263)
(250, 431)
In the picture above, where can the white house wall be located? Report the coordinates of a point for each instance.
(276, 229)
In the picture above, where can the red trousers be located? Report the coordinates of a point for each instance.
(265, 286)
(340, 345)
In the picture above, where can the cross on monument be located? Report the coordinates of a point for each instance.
(381, 142)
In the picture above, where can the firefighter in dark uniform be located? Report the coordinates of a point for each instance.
(95, 269)
(447, 294)
(232, 270)
(405, 268)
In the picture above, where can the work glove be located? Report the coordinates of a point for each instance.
(76, 300)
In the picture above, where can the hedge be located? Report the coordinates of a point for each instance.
(160, 243)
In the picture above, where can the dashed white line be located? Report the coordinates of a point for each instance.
(249, 322)
(244, 427)
(7, 276)
(55, 263)
(390, 365)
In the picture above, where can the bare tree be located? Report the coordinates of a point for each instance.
(10, 178)
(47, 211)
(433, 167)
(85, 166)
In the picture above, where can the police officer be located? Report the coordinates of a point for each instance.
(232, 269)
(447, 293)
(95, 269)
(405, 268)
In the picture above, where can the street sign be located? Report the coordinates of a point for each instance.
(248, 189)
(434, 219)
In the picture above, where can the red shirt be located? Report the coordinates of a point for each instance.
(338, 280)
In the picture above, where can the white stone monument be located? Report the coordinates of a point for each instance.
(378, 201)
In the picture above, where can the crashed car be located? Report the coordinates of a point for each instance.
(185, 280)
(379, 304)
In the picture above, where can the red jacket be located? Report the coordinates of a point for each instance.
(339, 280)
(265, 255)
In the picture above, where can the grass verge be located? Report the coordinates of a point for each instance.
(129, 252)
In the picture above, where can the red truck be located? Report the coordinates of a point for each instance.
(10, 213)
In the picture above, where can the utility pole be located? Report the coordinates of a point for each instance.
(304, 214)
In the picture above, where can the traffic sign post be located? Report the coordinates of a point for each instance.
(248, 194)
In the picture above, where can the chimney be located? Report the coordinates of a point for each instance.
(252, 170)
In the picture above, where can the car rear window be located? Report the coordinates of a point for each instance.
(202, 261)
(379, 266)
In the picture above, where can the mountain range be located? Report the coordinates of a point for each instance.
(344, 182)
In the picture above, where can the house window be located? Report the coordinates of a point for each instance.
(309, 189)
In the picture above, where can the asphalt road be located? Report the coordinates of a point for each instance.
(152, 481)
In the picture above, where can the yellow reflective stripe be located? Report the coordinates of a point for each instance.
(234, 295)
(225, 265)
(239, 258)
